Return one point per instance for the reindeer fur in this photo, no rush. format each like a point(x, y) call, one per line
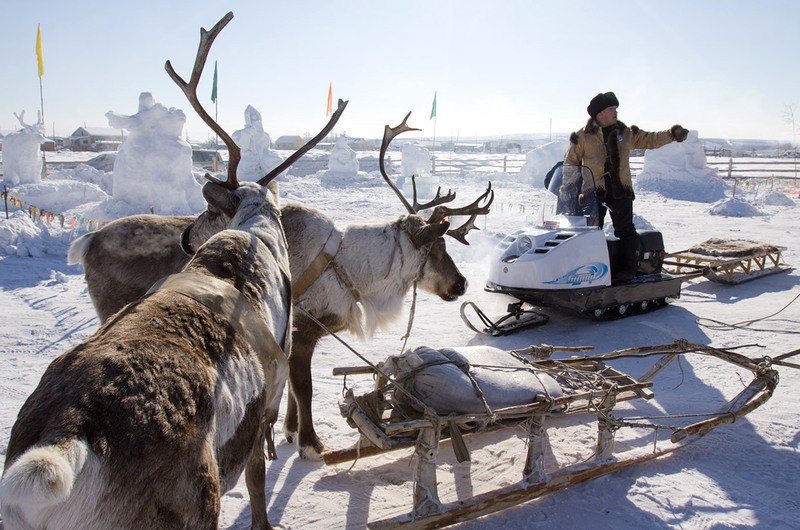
point(146, 423)
point(381, 260)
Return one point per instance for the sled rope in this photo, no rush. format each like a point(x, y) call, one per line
point(744, 325)
point(373, 366)
point(413, 309)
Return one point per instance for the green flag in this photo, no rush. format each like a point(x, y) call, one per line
point(433, 109)
point(214, 87)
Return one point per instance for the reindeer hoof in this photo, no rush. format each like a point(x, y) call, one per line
point(310, 453)
point(290, 435)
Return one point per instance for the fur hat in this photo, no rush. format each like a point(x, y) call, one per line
point(601, 102)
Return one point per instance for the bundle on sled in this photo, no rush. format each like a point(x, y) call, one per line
point(428, 395)
point(567, 262)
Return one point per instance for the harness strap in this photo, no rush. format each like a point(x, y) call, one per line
point(227, 301)
point(320, 263)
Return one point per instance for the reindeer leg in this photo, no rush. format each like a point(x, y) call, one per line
point(299, 419)
point(309, 444)
point(255, 475)
point(290, 420)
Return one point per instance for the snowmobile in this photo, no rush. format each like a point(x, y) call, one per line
point(566, 261)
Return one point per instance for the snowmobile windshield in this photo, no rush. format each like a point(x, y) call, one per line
point(568, 202)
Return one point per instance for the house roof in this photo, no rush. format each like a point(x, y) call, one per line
point(289, 138)
point(98, 131)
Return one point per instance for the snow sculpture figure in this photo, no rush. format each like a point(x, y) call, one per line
point(679, 170)
point(153, 168)
point(257, 158)
point(417, 161)
point(540, 159)
point(22, 153)
point(343, 158)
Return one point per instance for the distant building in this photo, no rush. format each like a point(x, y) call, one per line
point(362, 144)
point(289, 142)
point(95, 139)
point(467, 148)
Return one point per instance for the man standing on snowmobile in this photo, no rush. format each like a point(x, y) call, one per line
point(603, 146)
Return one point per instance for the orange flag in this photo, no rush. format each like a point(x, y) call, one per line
point(329, 110)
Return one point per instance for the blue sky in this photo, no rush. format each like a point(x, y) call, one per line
point(499, 67)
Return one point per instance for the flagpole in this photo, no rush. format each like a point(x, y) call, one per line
point(41, 98)
point(435, 117)
point(215, 99)
point(41, 103)
point(40, 71)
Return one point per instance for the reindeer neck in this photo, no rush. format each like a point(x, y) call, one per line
point(379, 259)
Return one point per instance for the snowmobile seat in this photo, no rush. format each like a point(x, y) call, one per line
point(651, 251)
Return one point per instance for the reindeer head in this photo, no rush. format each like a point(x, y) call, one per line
point(224, 197)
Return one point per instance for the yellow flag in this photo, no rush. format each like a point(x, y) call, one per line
point(39, 59)
point(329, 109)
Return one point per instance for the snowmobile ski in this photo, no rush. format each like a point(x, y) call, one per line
point(517, 319)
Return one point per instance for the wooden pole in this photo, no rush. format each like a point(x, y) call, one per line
point(41, 103)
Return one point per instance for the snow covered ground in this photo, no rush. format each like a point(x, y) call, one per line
point(739, 476)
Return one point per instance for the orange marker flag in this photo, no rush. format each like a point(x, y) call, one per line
point(39, 58)
point(329, 110)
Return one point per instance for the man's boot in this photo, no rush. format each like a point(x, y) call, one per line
point(627, 262)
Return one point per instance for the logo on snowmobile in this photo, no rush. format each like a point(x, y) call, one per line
point(583, 274)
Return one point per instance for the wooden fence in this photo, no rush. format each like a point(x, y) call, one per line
point(449, 164)
point(749, 168)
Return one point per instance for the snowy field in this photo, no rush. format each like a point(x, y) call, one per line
point(739, 476)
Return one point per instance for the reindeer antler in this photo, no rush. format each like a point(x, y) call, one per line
point(309, 145)
point(388, 135)
point(190, 90)
point(437, 200)
point(440, 213)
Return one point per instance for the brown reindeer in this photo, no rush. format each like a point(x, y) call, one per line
point(333, 282)
point(147, 422)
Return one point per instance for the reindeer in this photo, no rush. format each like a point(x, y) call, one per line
point(361, 294)
point(332, 281)
point(147, 422)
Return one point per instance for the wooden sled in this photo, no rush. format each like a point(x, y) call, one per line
point(728, 261)
point(590, 387)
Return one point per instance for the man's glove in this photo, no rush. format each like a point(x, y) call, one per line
point(678, 133)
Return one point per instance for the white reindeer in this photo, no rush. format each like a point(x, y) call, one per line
point(332, 280)
point(146, 423)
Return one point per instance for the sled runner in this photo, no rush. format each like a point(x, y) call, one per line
point(428, 395)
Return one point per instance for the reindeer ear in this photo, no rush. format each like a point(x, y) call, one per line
point(273, 189)
point(220, 198)
point(429, 233)
point(186, 239)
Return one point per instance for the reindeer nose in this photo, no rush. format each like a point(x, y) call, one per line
point(460, 287)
